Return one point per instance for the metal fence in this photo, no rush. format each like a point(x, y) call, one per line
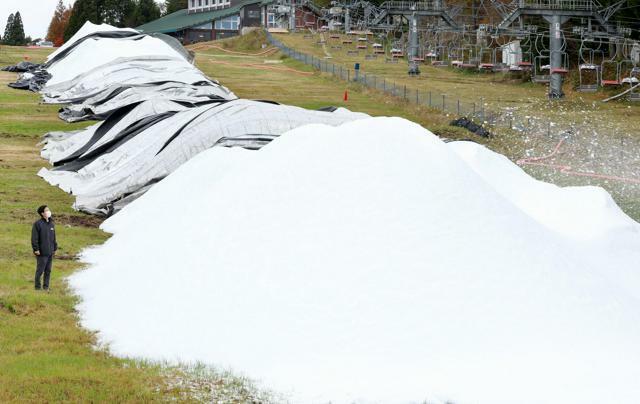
point(474, 110)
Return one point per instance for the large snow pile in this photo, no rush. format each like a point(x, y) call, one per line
point(372, 262)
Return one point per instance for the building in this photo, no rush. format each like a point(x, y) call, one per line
point(206, 20)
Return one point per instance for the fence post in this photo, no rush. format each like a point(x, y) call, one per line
point(429, 99)
point(417, 96)
point(482, 108)
point(458, 106)
point(384, 85)
point(474, 110)
point(374, 82)
point(405, 91)
point(348, 75)
point(443, 102)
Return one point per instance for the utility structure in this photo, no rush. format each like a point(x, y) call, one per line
point(556, 13)
point(412, 11)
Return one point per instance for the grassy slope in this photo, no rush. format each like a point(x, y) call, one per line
point(44, 355)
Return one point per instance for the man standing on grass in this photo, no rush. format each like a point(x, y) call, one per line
point(43, 241)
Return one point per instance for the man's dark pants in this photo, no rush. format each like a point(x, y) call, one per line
point(43, 266)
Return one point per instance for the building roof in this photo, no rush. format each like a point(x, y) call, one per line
point(181, 19)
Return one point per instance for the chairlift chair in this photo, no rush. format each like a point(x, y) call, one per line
point(609, 73)
point(588, 70)
point(541, 69)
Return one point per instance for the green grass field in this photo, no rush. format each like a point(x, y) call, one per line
point(44, 355)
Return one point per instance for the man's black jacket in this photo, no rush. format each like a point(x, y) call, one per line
point(43, 237)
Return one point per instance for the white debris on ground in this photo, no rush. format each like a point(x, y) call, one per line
point(371, 262)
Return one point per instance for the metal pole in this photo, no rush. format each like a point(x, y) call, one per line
point(413, 37)
point(443, 102)
point(292, 16)
point(555, 55)
point(347, 21)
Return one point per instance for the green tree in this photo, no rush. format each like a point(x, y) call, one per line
point(171, 6)
point(14, 31)
point(7, 30)
point(118, 13)
point(82, 11)
point(146, 10)
point(17, 30)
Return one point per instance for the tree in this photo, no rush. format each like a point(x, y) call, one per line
point(7, 30)
point(118, 13)
point(58, 24)
point(146, 10)
point(171, 6)
point(17, 30)
point(82, 11)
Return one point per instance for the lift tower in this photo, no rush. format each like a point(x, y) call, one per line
point(556, 13)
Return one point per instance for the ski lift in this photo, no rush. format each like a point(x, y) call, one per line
point(487, 58)
point(563, 69)
point(634, 80)
point(541, 69)
point(609, 73)
point(588, 70)
point(470, 61)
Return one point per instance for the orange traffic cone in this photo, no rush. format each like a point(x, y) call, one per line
point(346, 96)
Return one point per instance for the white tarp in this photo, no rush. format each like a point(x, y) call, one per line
point(161, 148)
point(118, 96)
point(56, 150)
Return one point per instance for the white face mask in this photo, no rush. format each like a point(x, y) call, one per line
point(47, 214)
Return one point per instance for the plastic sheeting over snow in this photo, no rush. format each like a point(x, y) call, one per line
point(100, 62)
point(105, 163)
point(372, 262)
point(159, 110)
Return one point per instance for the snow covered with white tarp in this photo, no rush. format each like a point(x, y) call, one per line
point(159, 110)
point(373, 263)
point(133, 160)
point(101, 61)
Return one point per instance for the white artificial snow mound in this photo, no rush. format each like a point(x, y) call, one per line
point(370, 262)
point(580, 212)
